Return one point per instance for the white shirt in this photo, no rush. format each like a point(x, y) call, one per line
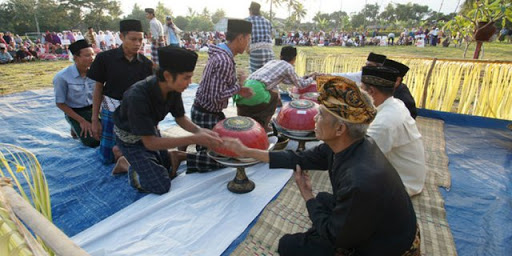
point(156, 29)
point(397, 136)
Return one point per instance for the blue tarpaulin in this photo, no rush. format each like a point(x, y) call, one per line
point(479, 203)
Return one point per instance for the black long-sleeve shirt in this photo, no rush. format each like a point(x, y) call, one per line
point(370, 211)
point(402, 92)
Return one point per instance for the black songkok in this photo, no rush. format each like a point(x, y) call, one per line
point(379, 76)
point(239, 26)
point(402, 69)
point(149, 10)
point(77, 46)
point(289, 51)
point(254, 6)
point(377, 58)
point(130, 25)
point(177, 59)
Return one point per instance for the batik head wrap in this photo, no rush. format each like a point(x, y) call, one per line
point(343, 98)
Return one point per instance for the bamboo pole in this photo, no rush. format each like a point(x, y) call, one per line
point(51, 235)
point(427, 81)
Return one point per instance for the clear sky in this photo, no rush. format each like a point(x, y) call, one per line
point(239, 8)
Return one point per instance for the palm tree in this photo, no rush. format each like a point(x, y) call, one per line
point(277, 3)
point(299, 12)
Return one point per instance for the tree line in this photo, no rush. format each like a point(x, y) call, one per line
point(20, 16)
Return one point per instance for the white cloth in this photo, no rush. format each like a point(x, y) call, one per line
point(199, 216)
point(354, 76)
point(156, 29)
point(397, 136)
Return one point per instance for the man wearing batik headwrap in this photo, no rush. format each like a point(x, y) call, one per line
point(73, 93)
point(401, 90)
point(394, 130)
point(260, 49)
point(264, 83)
point(114, 72)
point(369, 211)
point(145, 104)
point(220, 82)
point(373, 60)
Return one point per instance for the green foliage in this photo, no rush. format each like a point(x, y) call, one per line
point(218, 15)
point(181, 22)
point(161, 12)
point(138, 14)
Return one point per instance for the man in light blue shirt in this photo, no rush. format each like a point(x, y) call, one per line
point(172, 32)
point(73, 92)
point(5, 57)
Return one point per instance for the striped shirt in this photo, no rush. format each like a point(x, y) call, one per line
point(219, 80)
point(279, 71)
point(261, 30)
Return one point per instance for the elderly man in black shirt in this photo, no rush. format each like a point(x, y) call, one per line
point(144, 105)
point(114, 72)
point(369, 211)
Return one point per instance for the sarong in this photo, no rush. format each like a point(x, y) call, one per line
point(154, 50)
point(259, 56)
point(86, 113)
point(108, 139)
point(149, 170)
point(200, 162)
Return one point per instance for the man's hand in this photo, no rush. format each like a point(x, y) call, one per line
point(96, 129)
point(208, 138)
point(304, 183)
point(235, 145)
point(86, 129)
point(246, 92)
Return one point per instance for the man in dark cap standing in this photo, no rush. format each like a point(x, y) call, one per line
point(73, 93)
point(368, 211)
point(265, 82)
point(373, 60)
point(260, 49)
point(156, 33)
point(220, 82)
point(145, 104)
point(401, 90)
point(394, 130)
point(114, 72)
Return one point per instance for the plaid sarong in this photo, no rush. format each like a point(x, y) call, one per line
point(149, 170)
point(154, 50)
point(108, 138)
point(259, 57)
point(200, 162)
point(86, 113)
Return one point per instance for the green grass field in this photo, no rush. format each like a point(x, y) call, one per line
point(39, 74)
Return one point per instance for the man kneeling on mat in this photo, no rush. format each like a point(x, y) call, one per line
point(150, 166)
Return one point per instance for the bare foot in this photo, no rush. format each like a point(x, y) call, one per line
point(121, 167)
point(73, 134)
point(176, 158)
point(117, 153)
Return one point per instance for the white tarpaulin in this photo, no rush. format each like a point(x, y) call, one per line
point(199, 216)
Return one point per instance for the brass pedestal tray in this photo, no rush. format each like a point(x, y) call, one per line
point(300, 136)
point(241, 183)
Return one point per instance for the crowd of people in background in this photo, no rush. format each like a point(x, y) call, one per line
point(54, 45)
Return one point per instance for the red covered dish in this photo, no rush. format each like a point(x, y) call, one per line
point(250, 132)
point(312, 96)
point(297, 117)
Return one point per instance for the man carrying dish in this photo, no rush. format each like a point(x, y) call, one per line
point(264, 83)
point(369, 211)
